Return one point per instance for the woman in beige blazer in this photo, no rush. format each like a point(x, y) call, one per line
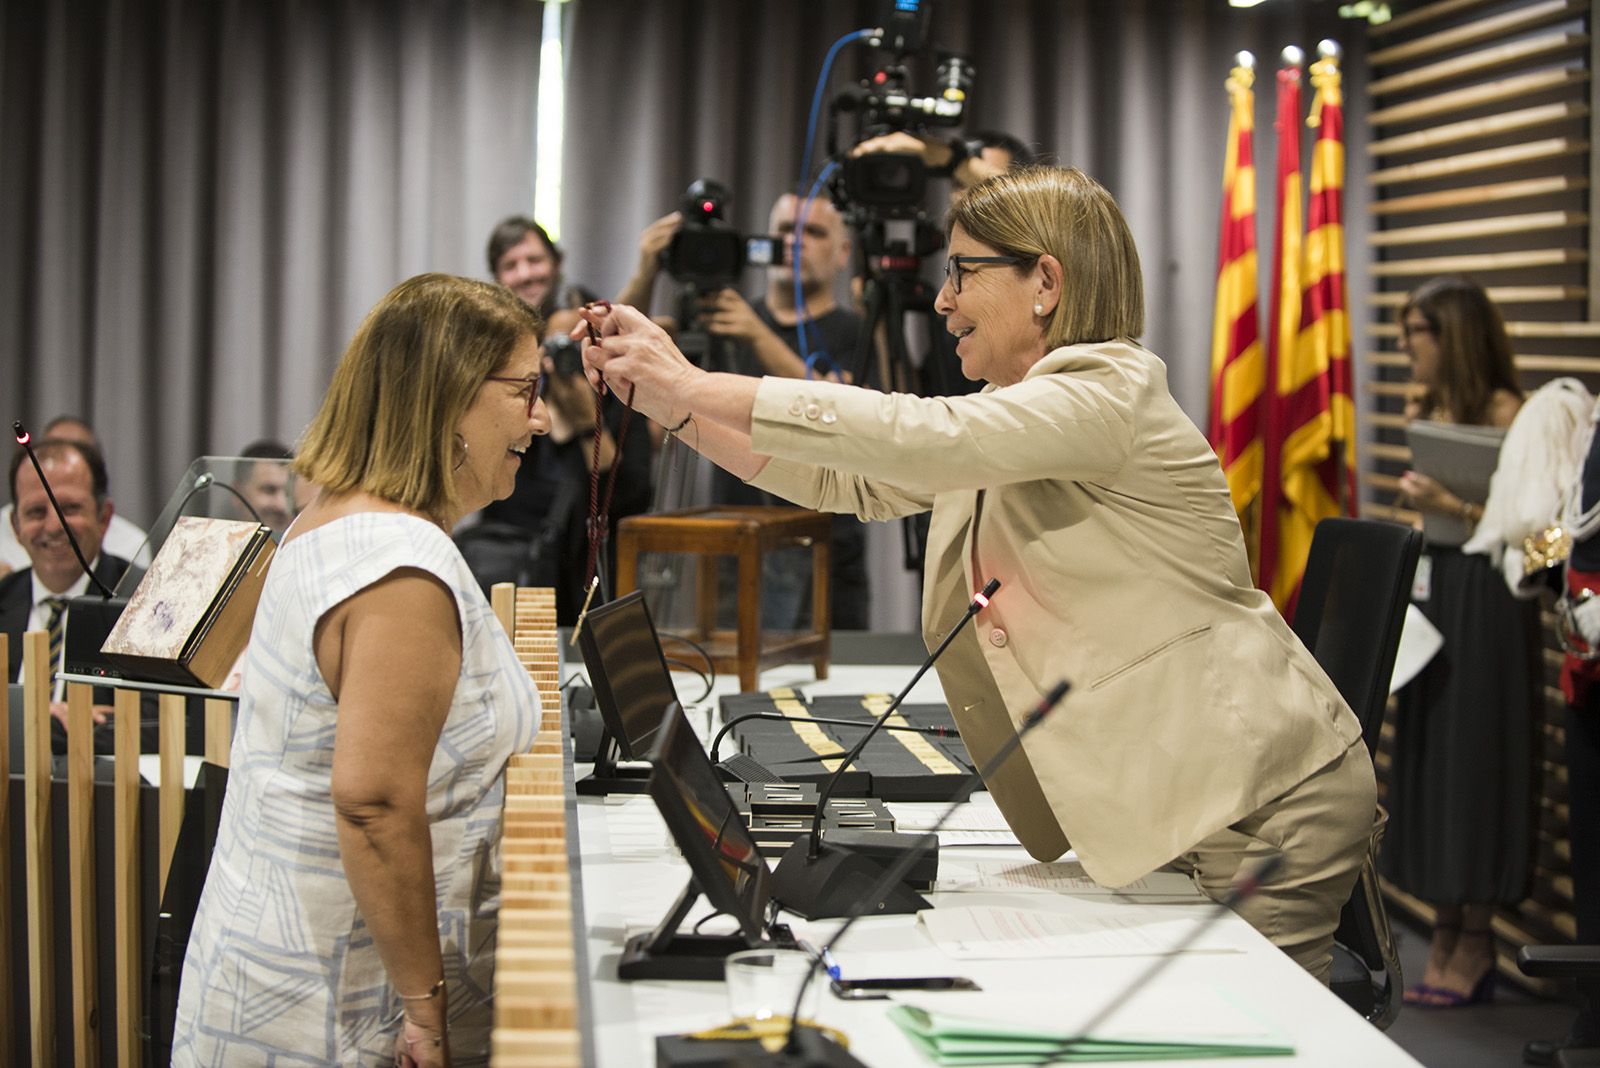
point(1200, 732)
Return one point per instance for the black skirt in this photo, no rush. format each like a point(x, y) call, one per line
point(1460, 788)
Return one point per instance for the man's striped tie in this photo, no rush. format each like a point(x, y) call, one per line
point(57, 627)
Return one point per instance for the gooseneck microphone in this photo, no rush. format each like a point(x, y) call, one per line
point(25, 439)
point(832, 721)
point(817, 880)
point(808, 1048)
point(980, 601)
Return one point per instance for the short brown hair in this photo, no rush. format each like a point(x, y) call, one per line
point(1062, 212)
point(388, 423)
point(1474, 351)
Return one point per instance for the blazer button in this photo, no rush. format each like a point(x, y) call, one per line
point(813, 410)
point(830, 416)
point(796, 406)
point(997, 638)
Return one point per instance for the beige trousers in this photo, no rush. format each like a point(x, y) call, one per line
point(1321, 828)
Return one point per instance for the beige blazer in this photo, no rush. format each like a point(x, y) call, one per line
point(1100, 507)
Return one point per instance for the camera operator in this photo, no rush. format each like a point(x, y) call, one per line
point(769, 335)
point(538, 535)
point(965, 160)
point(764, 338)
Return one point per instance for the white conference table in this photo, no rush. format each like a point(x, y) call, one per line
point(631, 874)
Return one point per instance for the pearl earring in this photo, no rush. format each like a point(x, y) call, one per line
point(1038, 309)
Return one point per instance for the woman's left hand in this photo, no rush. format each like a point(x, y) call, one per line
point(1428, 494)
point(635, 355)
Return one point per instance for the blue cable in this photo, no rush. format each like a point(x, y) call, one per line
point(816, 98)
point(801, 211)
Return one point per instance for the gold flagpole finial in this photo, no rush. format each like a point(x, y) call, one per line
point(1243, 75)
point(1325, 80)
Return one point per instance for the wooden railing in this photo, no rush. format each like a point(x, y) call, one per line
point(129, 917)
point(540, 1003)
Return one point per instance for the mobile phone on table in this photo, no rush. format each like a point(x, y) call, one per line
point(868, 989)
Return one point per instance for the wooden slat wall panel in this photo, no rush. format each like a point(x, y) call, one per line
point(539, 1004)
point(1483, 121)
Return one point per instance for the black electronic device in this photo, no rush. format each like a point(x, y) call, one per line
point(565, 354)
point(807, 1047)
point(818, 878)
point(632, 689)
point(889, 771)
point(724, 865)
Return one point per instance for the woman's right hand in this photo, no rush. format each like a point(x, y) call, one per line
point(635, 355)
point(420, 1045)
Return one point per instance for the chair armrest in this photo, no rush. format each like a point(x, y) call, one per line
point(1560, 962)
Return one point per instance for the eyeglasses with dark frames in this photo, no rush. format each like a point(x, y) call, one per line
point(1410, 330)
point(535, 386)
point(956, 266)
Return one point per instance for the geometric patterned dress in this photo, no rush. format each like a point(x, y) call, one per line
point(281, 968)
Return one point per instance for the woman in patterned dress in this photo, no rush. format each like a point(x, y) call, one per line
point(350, 909)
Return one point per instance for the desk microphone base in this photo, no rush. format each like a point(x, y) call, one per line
point(846, 875)
point(816, 1050)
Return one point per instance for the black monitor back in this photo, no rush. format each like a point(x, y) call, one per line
point(628, 672)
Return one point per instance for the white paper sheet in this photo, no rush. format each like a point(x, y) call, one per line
point(978, 822)
point(1420, 641)
point(999, 933)
point(1058, 876)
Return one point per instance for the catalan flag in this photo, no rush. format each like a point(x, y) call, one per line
point(1282, 338)
point(1313, 397)
point(1238, 368)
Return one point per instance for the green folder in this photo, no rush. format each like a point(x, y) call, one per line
point(958, 1040)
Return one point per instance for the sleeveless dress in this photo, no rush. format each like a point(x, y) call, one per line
point(280, 967)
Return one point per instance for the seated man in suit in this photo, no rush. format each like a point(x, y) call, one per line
point(35, 597)
point(123, 538)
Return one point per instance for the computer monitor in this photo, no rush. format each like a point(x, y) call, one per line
point(707, 827)
point(723, 860)
point(632, 686)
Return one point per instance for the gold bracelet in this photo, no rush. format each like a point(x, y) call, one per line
point(434, 991)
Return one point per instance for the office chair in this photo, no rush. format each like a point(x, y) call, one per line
point(1352, 602)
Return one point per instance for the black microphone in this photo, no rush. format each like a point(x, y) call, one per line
point(25, 439)
point(806, 1047)
point(832, 721)
point(816, 881)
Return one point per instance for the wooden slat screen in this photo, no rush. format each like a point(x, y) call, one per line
point(1482, 145)
point(540, 1004)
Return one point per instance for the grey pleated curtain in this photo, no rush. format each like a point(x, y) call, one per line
point(1129, 90)
point(198, 200)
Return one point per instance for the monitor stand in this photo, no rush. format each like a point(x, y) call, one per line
point(664, 953)
point(607, 778)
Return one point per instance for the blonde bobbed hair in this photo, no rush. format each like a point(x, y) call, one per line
point(1062, 212)
point(388, 423)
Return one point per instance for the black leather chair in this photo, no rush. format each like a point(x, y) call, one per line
point(1352, 603)
point(1580, 962)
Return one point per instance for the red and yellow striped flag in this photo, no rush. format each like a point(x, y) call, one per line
point(1238, 368)
point(1284, 334)
point(1312, 395)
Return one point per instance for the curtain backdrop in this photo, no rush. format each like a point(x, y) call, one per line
point(200, 198)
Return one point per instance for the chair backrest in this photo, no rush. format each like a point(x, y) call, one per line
point(1352, 603)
